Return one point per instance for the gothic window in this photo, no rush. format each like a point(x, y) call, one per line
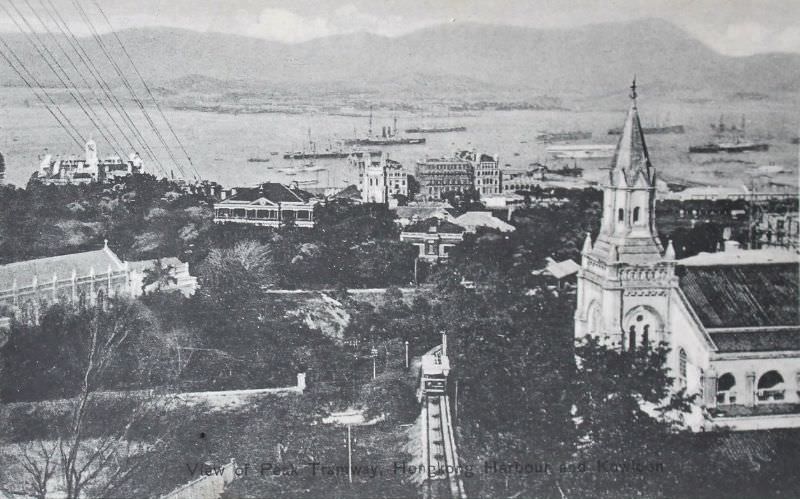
point(636, 214)
point(646, 335)
point(682, 362)
point(620, 215)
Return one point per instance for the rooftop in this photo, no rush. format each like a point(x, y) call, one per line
point(559, 270)
point(742, 257)
point(61, 266)
point(275, 192)
point(761, 341)
point(435, 225)
point(743, 295)
point(472, 219)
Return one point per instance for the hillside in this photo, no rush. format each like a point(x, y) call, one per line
point(449, 59)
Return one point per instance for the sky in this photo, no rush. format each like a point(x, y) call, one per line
point(732, 27)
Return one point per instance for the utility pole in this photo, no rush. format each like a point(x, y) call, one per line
point(374, 353)
point(349, 457)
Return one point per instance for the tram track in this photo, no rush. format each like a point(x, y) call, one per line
point(440, 455)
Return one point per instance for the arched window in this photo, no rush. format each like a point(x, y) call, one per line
point(725, 385)
point(636, 214)
point(771, 387)
point(646, 335)
point(682, 361)
point(595, 324)
point(620, 215)
point(632, 338)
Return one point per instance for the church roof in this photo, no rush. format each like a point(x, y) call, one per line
point(61, 266)
point(631, 156)
point(762, 341)
point(744, 295)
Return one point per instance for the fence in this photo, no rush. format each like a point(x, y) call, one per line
point(207, 486)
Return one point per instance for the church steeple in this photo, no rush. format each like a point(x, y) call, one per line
point(627, 233)
point(631, 163)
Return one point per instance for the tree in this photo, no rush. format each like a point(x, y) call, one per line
point(160, 275)
point(612, 390)
point(99, 441)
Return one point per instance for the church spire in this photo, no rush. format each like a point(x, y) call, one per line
point(631, 157)
point(627, 232)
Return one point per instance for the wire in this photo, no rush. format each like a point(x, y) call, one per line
point(97, 75)
point(127, 85)
point(80, 74)
point(44, 50)
point(147, 87)
point(64, 121)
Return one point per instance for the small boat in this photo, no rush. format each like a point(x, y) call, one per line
point(258, 160)
point(654, 130)
point(437, 129)
point(728, 147)
point(274, 153)
point(587, 151)
point(563, 136)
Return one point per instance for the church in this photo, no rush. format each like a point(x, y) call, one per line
point(731, 319)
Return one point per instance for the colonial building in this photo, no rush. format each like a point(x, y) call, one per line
point(268, 205)
point(731, 319)
point(87, 170)
point(81, 279)
point(779, 230)
point(381, 179)
point(438, 176)
point(434, 238)
point(487, 178)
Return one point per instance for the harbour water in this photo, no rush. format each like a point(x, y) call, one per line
point(221, 144)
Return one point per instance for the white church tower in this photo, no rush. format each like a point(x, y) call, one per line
point(374, 188)
point(92, 160)
point(626, 276)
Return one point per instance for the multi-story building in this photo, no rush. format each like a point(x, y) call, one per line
point(87, 170)
point(486, 170)
point(268, 205)
point(434, 238)
point(779, 230)
point(730, 319)
point(438, 176)
point(381, 179)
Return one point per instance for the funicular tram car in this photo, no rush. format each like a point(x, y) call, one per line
point(433, 378)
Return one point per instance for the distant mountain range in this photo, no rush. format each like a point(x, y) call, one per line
point(453, 59)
